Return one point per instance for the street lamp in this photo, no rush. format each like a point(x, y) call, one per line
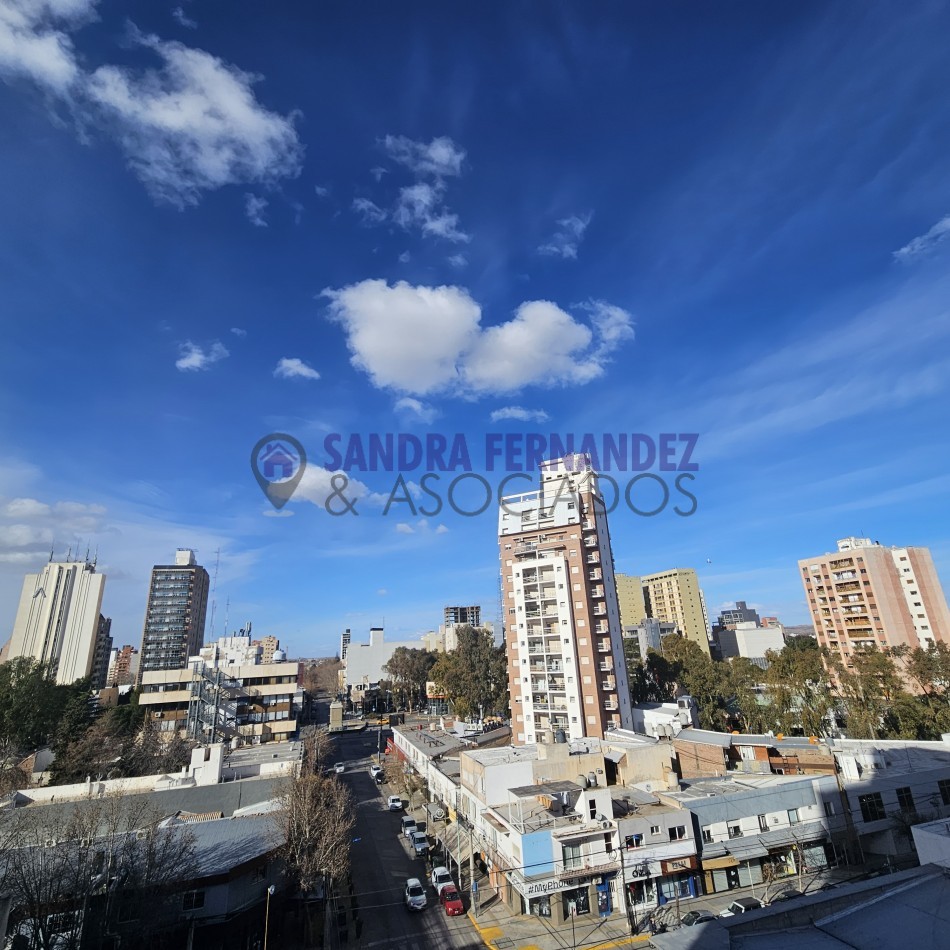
point(270, 894)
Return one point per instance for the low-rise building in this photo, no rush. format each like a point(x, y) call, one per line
point(702, 753)
point(747, 639)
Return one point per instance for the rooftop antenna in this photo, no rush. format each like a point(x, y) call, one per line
point(51, 547)
point(227, 611)
point(95, 557)
point(214, 588)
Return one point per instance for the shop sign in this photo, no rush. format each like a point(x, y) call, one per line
point(674, 865)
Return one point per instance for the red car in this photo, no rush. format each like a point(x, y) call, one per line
point(451, 902)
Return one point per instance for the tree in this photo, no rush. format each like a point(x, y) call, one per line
point(323, 676)
point(409, 670)
point(316, 818)
point(32, 704)
point(798, 687)
point(867, 688)
point(474, 676)
point(91, 855)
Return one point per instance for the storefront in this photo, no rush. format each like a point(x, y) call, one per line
point(739, 867)
point(563, 898)
point(678, 880)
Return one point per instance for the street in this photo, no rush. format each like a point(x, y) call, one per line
point(381, 864)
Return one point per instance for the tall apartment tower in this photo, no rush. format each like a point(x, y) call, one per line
point(459, 616)
point(674, 597)
point(633, 609)
point(345, 639)
point(59, 620)
point(175, 615)
point(868, 595)
point(563, 639)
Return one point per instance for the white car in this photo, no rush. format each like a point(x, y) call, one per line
point(415, 894)
point(374, 770)
point(339, 768)
point(394, 803)
point(441, 878)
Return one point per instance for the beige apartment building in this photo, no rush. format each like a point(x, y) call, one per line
point(866, 595)
point(563, 637)
point(674, 597)
point(633, 607)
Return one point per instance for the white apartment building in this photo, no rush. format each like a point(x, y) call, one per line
point(563, 636)
point(363, 666)
point(746, 638)
point(58, 620)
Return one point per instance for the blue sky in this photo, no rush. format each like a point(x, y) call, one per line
point(225, 220)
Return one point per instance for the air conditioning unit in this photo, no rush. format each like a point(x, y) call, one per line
point(605, 824)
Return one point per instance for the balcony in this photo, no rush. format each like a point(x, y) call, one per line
point(590, 542)
point(609, 685)
point(606, 666)
point(597, 592)
point(844, 588)
point(600, 611)
point(603, 646)
point(602, 628)
point(596, 575)
point(593, 558)
point(845, 575)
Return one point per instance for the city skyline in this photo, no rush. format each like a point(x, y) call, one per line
point(730, 224)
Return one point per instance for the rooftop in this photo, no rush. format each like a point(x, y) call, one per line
point(431, 742)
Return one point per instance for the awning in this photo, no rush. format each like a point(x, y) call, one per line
point(714, 851)
point(800, 834)
point(748, 851)
point(614, 756)
point(457, 849)
point(715, 864)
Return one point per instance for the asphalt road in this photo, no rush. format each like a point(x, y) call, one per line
point(381, 864)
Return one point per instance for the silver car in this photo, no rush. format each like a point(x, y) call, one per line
point(415, 894)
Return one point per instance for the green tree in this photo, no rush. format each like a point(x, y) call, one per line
point(474, 676)
point(32, 704)
point(798, 688)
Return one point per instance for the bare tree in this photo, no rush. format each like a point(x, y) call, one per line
point(59, 862)
point(316, 818)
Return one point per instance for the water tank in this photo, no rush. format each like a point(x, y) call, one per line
point(582, 781)
point(592, 779)
point(560, 736)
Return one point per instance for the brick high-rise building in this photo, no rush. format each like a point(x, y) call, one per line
point(563, 637)
point(175, 615)
point(867, 595)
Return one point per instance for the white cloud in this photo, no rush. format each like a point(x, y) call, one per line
point(420, 340)
point(404, 258)
point(924, 243)
point(322, 487)
point(194, 357)
point(378, 172)
point(568, 236)
point(369, 211)
point(34, 41)
point(406, 338)
point(458, 260)
point(237, 331)
point(26, 508)
point(183, 19)
point(403, 528)
point(254, 208)
point(519, 414)
point(420, 206)
point(441, 529)
point(421, 527)
point(382, 592)
point(421, 411)
point(293, 368)
point(192, 125)
point(321, 191)
point(439, 157)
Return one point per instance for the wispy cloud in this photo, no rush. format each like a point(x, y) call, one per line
point(294, 368)
point(420, 527)
point(416, 409)
point(369, 211)
point(193, 357)
point(439, 158)
point(458, 261)
point(519, 414)
point(567, 238)
point(924, 243)
point(321, 191)
point(189, 125)
point(254, 208)
point(180, 17)
point(237, 331)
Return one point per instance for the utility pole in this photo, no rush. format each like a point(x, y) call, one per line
point(623, 888)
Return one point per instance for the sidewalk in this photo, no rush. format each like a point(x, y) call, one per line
point(502, 929)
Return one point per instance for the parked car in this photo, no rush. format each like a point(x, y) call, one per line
point(449, 898)
point(394, 803)
point(696, 917)
point(741, 905)
point(380, 778)
point(408, 826)
point(375, 770)
point(420, 843)
point(441, 878)
point(415, 894)
point(339, 768)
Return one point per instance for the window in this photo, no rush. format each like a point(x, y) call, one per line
point(192, 900)
point(633, 841)
point(793, 816)
point(677, 833)
point(872, 806)
point(735, 831)
point(707, 835)
point(829, 809)
point(572, 856)
point(905, 799)
point(944, 787)
point(763, 823)
point(654, 829)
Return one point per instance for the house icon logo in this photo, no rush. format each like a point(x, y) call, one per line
point(278, 462)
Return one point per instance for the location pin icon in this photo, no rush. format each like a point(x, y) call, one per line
point(278, 461)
